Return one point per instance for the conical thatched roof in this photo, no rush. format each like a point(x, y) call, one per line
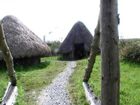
point(77, 35)
point(22, 41)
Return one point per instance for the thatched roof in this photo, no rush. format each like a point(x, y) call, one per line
point(22, 41)
point(78, 34)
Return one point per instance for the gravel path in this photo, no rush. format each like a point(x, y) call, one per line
point(56, 93)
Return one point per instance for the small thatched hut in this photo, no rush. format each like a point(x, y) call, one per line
point(25, 46)
point(77, 43)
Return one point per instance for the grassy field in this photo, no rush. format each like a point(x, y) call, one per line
point(3, 82)
point(130, 85)
point(32, 79)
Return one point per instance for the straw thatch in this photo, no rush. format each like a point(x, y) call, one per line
point(23, 43)
point(79, 38)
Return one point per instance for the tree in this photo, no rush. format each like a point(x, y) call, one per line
point(54, 45)
point(7, 56)
point(109, 53)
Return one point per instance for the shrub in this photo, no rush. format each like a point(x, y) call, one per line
point(54, 45)
point(130, 50)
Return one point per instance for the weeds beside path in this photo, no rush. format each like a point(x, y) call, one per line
point(35, 79)
point(129, 84)
point(31, 79)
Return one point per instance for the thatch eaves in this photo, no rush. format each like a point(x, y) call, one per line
point(78, 34)
point(22, 41)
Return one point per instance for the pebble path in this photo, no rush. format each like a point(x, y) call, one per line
point(56, 93)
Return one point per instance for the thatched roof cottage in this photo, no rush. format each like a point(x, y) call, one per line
point(25, 46)
point(77, 43)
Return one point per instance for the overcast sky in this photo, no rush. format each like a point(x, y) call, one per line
point(54, 18)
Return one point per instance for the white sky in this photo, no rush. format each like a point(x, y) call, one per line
point(54, 18)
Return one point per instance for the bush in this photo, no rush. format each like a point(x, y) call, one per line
point(130, 50)
point(54, 45)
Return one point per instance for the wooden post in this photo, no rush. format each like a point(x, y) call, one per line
point(7, 56)
point(109, 53)
point(93, 53)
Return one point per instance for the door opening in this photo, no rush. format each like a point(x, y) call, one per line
point(79, 51)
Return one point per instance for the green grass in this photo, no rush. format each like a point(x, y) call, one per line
point(75, 86)
point(3, 82)
point(32, 79)
point(130, 85)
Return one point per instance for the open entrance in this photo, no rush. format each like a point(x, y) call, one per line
point(79, 51)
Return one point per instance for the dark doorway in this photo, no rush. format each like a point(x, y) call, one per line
point(79, 51)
